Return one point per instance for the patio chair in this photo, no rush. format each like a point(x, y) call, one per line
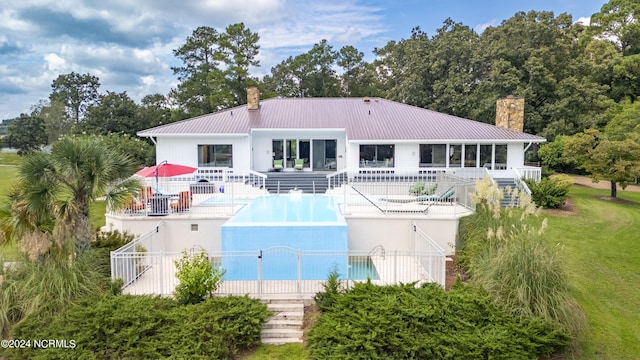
point(443, 197)
point(145, 194)
point(277, 165)
point(132, 205)
point(184, 202)
point(298, 164)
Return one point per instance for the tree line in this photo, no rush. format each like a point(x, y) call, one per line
point(573, 77)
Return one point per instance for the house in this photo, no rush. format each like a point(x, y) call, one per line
point(333, 134)
point(372, 160)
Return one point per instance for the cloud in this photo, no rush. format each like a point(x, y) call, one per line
point(128, 45)
point(480, 28)
point(584, 20)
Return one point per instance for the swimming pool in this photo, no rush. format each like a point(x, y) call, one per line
point(360, 268)
point(294, 236)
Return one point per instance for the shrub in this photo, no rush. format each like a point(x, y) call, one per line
point(400, 322)
point(504, 251)
point(197, 276)
point(332, 288)
point(550, 192)
point(111, 240)
point(48, 286)
point(146, 327)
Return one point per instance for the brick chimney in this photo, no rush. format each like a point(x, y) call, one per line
point(510, 113)
point(253, 98)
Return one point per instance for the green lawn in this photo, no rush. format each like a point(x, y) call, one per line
point(601, 246)
point(7, 174)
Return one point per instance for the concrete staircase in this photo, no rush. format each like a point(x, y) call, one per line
point(285, 326)
point(503, 183)
point(305, 181)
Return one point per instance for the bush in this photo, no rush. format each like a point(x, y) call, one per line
point(197, 276)
point(48, 286)
point(146, 327)
point(325, 299)
point(111, 240)
point(401, 322)
point(550, 192)
point(504, 252)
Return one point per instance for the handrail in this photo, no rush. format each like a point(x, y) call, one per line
point(375, 249)
point(126, 247)
point(521, 184)
point(332, 176)
point(366, 198)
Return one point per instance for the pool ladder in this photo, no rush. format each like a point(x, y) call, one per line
point(377, 248)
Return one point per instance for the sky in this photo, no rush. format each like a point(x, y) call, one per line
point(129, 45)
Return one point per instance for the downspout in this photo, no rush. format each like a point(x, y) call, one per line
point(528, 146)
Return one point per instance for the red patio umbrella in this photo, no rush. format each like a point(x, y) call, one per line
point(165, 169)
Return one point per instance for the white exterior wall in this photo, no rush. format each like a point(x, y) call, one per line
point(184, 150)
point(397, 234)
point(515, 155)
point(175, 234)
point(263, 146)
point(364, 233)
point(407, 155)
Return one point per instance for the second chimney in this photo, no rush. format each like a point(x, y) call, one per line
point(253, 98)
point(510, 113)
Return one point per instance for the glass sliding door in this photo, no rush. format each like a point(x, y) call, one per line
point(324, 155)
point(304, 152)
point(291, 152)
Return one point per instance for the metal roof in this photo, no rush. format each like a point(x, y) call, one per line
point(376, 119)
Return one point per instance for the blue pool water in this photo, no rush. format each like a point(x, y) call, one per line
point(291, 235)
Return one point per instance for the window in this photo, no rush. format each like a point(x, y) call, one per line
point(485, 156)
point(377, 155)
point(215, 156)
point(501, 157)
point(455, 155)
point(470, 152)
point(433, 155)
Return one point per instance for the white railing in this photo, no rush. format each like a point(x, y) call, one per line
point(280, 271)
point(130, 261)
point(529, 172)
point(210, 191)
point(520, 182)
point(429, 255)
point(405, 191)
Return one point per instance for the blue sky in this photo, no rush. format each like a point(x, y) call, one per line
point(128, 44)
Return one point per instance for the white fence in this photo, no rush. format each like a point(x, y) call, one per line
point(429, 255)
point(409, 191)
point(209, 191)
point(280, 271)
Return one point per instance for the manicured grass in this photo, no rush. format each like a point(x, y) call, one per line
point(601, 247)
point(276, 352)
point(96, 214)
point(9, 158)
point(8, 252)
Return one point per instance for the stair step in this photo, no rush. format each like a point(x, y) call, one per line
point(283, 324)
point(281, 341)
point(281, 333)
point(285, 307)
point(286, 315)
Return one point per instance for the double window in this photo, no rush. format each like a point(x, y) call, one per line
point(377, 155)
point(215, 156)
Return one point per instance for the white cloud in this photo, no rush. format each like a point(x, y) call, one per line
point(584, 20)
point(55, 63)
point(480, 28)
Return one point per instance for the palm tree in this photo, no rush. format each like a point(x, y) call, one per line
point(62, 184)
